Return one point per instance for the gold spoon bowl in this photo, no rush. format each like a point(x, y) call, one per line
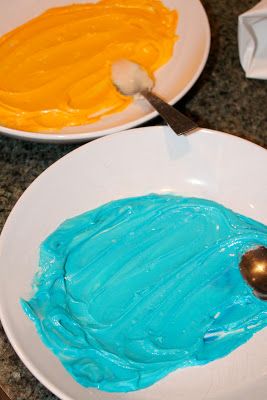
point(253, 267)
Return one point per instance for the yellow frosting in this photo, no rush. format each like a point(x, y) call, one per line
point(55, 70)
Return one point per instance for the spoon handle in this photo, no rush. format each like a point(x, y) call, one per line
point(3, 395)
point(176, 120)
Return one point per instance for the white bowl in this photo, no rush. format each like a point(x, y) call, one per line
point(205, 164)
point(173, 80)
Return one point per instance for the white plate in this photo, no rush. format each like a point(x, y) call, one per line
point(173, 80)
point(206, 164)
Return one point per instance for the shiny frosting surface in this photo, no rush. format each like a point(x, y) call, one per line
point(55, 70)
point(132, 290)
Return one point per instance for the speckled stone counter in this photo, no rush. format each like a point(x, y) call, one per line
point(222, 99)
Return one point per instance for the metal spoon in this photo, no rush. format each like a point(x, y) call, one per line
point(253, 267)
point(3, 395)
point(131, 80)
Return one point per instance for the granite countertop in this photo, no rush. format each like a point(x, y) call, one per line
point(222, 99)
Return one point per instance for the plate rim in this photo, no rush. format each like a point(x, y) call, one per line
point(87, 136)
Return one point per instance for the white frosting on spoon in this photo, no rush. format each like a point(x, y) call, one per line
point(130, 78)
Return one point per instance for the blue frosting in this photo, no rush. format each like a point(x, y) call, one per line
point(139, 287)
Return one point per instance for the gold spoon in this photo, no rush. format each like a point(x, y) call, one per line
point(253, 267)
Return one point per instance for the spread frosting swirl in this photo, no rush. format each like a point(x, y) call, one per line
point(139, 287)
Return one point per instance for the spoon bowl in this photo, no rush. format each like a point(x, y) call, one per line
point(253, 267)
